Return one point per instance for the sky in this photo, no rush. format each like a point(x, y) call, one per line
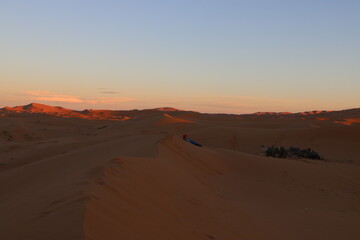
point(228, 56)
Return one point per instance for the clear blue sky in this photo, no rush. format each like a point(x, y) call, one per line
point(205, 55)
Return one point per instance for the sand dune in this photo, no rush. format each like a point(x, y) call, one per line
point(68, 174)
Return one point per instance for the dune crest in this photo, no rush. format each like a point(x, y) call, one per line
point(36, 108)
point(168, 119)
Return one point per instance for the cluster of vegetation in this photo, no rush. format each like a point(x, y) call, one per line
point(282, 152)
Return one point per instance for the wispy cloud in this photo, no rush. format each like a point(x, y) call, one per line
point(110, 92)
point(54, 97)
point(59, 99)
point(103, 100)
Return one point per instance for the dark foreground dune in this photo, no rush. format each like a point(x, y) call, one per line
point(78, 175)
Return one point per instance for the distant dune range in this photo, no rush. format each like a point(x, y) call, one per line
point(109, 175)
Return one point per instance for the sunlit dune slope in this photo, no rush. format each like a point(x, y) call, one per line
point(192, 193)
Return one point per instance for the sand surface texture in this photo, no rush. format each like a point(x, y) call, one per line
point(110, 175)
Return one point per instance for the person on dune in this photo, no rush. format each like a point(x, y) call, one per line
point(186, 138)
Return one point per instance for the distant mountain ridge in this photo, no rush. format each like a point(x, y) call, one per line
point(37, 108)
point(347, 116)
point(354, 112)
point(289, 113)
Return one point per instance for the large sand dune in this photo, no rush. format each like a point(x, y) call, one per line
point(109, 175)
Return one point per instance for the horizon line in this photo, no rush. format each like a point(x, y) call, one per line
point(176, 109)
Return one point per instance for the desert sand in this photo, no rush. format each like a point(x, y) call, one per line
point(110, 175)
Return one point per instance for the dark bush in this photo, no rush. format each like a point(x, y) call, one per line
point(281, 152)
